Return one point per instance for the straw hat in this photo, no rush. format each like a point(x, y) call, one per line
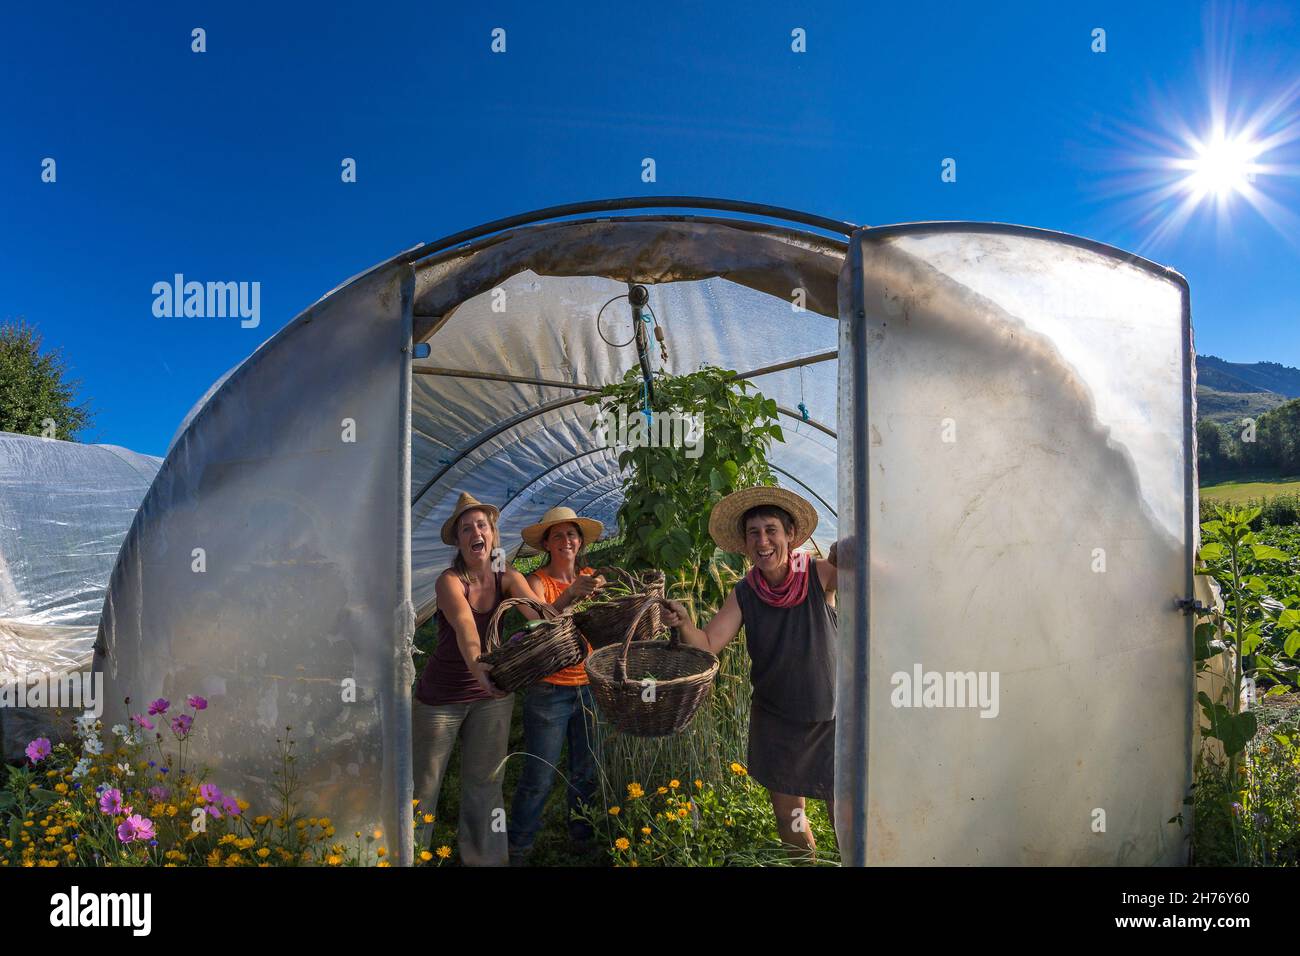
point(465, 503)
point(724, 520)
point(535, 534)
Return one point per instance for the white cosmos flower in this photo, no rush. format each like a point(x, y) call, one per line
point(85, 725)
point(125, 768)
point(94, 746)
point(82, 767)
point(120, 730)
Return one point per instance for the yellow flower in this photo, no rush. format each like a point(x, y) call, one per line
point(662, 790)
point(384, 863)
point(444, 852)
point(683, 812)
point(634, 862)
point(645, 830)
point(60, 788)
point(428, 818)
point(426, 856)
point(614, 811)
point(333, 859)
point(622, 843)
point(378, 834)
point(171, 809)
point(738, 769)
point(382, 853)
point(262, 821)
point(324, 821)
point(674, 784)
point(634, 790)
point(264, 853)
point(699, 784)
point(243, 805)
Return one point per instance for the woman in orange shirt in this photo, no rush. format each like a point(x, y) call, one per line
point(558, 707)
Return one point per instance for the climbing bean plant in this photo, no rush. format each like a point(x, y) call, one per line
point(669, 491)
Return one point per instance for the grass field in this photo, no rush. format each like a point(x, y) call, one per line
point(1241, 490)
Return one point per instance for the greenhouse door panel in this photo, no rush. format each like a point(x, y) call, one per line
point(1015, 486)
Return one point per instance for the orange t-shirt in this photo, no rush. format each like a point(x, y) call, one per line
point(575, 675)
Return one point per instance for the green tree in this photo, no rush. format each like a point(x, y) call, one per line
point(36, 395)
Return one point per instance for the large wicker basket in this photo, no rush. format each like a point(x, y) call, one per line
point(650, 688)
point(606, 622)
point(531, 655)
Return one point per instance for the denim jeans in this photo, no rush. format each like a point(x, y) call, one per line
point(552, 715)
point(483, 729)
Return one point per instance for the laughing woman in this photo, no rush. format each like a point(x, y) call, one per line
point(455, 697)
point(559, 707)
point(790, 634)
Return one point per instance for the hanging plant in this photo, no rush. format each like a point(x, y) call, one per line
point(707, 434)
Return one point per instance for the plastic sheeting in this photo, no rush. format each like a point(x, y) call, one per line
point(1028, 504)
point(64, 509)
point(264, 570)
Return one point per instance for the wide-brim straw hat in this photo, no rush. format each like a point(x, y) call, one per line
point(535, 534)
point(724, 520)
point(466, 502)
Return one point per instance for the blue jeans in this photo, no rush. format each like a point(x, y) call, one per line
point(552, 714)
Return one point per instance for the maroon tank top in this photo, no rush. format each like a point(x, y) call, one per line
point(446, 678)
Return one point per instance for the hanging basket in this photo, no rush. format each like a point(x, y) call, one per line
point(529, 655)
point(606, 622)
point(650, 688)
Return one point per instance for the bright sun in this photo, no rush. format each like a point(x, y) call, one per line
point(1222, 166)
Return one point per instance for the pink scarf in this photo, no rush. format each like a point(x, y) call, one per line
point(789, 592)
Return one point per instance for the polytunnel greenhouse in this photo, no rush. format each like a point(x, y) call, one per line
point(994, 422)
point(64, 509)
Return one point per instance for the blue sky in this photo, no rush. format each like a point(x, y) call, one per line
point(225, 165)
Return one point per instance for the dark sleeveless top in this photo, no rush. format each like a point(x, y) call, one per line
point(446, 678)
point(792, 650)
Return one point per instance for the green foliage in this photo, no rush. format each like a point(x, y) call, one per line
point(1273, 444)
point(34, 387)
point(668, 494)
point(1260, 623)
point(1245, 809)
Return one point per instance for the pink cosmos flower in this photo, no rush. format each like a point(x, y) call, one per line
point(135, 827)
point(143, 721)
point(230, 806)
point(197, 702)
point(158, 794)
point(159, 706)
point(38, 749)
point(181, 725)
point(210, 793)
point(110, 801)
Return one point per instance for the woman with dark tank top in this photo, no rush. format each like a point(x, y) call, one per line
point(790, 633)
point(455, 698)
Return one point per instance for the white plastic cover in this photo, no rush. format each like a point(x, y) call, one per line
point(264, 568)
point(1027, 494)
point(64, 509)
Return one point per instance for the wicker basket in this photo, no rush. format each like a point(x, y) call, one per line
point(682, 678)
point(606, 622)
point(531, 655)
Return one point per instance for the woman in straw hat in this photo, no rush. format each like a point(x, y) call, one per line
point(455, 697)
point(790, 632)
point(558, 707)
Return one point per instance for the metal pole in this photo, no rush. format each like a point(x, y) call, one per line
point(854, 769)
